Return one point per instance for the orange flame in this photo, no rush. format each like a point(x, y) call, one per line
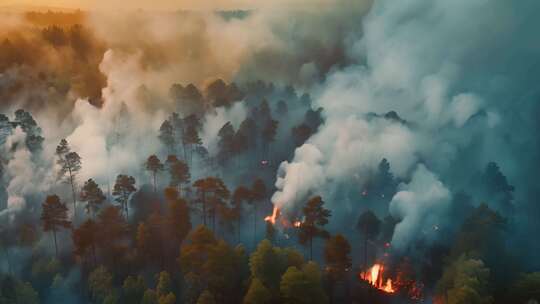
point(374, 276)
point(272, 218)
point(285, 223)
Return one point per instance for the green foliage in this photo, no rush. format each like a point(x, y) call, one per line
point(192, 255)
point(133, 289)
point(26, 294)
point(270, 231)
point(257, 293)
point(212, 193)
point(206, 259)
point(169, 298)
point(150, 297)
point(177, 221)
point(13, 291)
point(164, 285)
point(465, 281)
point(303, 286)
point(206, 298)
point(178, 171)
point(154, 166)
point(122, 190)
point(113, 226)
point(85, 238)
point(111, 298)
point(100, 283)
point(526, 288)
point(92, 195)
point(268, 263)
point(166, 135)
point(480, 234)
point(315, 217)
point(44, 270)
point(54, 215)
point(336, 256)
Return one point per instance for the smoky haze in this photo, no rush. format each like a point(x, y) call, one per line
point(165, 5)
point(422, 111)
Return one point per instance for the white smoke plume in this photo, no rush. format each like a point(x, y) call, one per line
point(413, 57)
point(213, 121)
point(23, 175)
point(421, 205)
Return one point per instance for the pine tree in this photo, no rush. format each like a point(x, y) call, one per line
point(70, 165)
point(154, 166)
point(258, 193)
point(54, 217)
point(369, 226)
point(315, 217)
point(123, 188)
point(166, 136)
point(178, 172)
point(212, 192)
point(93, 196)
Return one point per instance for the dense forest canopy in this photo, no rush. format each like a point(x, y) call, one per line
point(371, 152)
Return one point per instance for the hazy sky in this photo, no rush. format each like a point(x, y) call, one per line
point(158, 4)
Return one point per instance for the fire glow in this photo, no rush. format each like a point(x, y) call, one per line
point(272, 218)
point(374, 276)
point(276, 214)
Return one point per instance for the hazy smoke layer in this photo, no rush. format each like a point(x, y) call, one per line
point(457, 74)
point(450, 70)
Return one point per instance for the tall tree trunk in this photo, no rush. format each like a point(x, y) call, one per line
point(331, 290)
point(204, 208)
point(127, 210)
point(155, 186)
point(213, 215)
point(365, 253)
point(94, 254)
point(8, 259)
point(238, 229)
point(55, 244)
point(255, 225)
point(72, 182)
point(311, 248)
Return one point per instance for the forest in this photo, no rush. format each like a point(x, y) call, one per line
point(363, 153)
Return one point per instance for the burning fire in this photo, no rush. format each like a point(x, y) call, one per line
point(374, 276)
point(272, 218)
point(284, 222)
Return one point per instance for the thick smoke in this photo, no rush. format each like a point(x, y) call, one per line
point(437, 88)
point(420, 205)
point(24, 176)
point(445, 68)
